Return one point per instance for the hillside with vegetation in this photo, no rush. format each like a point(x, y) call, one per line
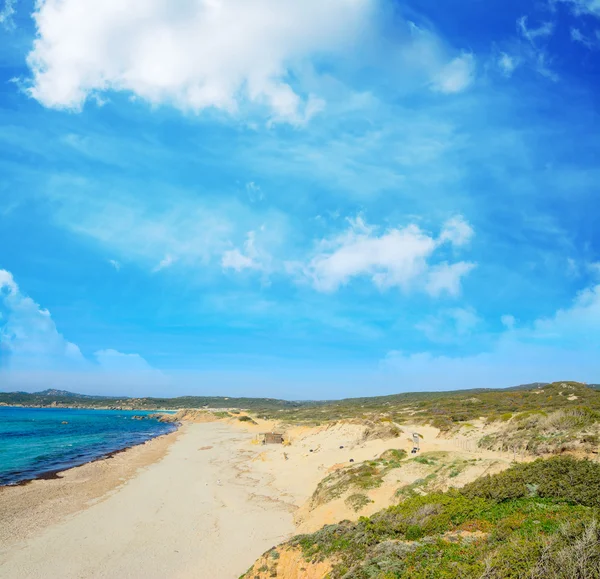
point(538, 520)
point(445, 408)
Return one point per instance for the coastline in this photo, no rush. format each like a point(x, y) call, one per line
point(55, 474)
point(198, 509)
point(39, 502)
point(207, 501)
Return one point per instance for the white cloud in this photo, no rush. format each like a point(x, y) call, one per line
point(561, 347)
point(583, 7)
point(508, 321)
point(193, 55)
point(457, 75)
point(7, 13)
point(457, 231)
point(507, 64)
point(397, 257)
point(182, 228)
point(450, 325)
point(447, 277)
point(115, 264)
point(165, 262)
point(114, 361)
point(254, 191)
point(532, 49)
point(28, 335)
point(579, 37)
point(250, 258)
point(34, 354)
point(532, 34)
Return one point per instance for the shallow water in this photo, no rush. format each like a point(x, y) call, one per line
point(36, 441)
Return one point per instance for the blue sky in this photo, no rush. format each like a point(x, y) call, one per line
point(301, 200)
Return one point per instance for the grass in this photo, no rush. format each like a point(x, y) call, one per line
point(540, 432)
point(357, 501)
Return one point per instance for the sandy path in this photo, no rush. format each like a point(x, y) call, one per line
point(171, 520)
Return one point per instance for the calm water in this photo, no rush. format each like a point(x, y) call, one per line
point(35, 441)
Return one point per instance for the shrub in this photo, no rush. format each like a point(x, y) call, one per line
point(247, 419)
point(357, 501)
point(561, 477)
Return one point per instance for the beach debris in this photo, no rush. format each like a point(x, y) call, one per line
point(341, 447)
point(271, 438)
point(351, 460)
point(416, 440)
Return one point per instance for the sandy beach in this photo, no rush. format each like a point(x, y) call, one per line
point(201, 502)
point(194, 513)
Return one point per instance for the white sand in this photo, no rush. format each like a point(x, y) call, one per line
point(172, 520)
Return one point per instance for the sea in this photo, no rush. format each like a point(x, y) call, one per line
point(38, 441)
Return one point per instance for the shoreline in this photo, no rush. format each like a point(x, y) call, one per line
point(36, 504)
point(54, 474)
point(207, 502)
point(178, 516)
point(79, 460)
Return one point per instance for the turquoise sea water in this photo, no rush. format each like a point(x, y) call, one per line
point(35, 441)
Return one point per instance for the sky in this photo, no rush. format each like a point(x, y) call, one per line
point(299, 200)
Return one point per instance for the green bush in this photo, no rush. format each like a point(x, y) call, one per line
point(357, 501)
point(561, 477)
point(247, 419)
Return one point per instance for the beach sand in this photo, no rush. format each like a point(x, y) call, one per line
point(194, 513)
point(204, 502)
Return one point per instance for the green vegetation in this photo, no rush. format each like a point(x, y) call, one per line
point(222, 414)
point(560, 477)
point(540, 432)
point(441, 467)
point(534, 520)
point(247, 419)
point(444, 410)
point(357, 501)
point(363, 476)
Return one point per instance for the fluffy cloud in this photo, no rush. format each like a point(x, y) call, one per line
point(28, 335)
point(563, 346)
point(34, 354)
point(249, 258)
point(398, 257)
point(457, 75)
point(194, 55)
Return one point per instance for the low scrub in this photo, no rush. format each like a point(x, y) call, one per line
point(363, 476)
point(561, 477)
point(539, 432)
point(537, 520)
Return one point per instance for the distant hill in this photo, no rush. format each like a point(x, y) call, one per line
point(53, 392)
point(444, 408)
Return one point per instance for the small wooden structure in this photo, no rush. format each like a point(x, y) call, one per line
point(270, 438)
